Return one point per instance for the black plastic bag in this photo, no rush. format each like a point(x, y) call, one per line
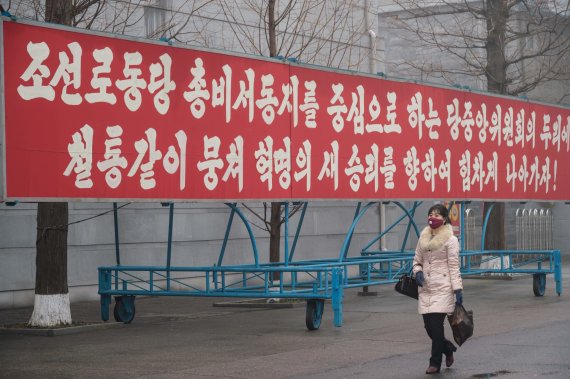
point(461, 322)
point(407, 286)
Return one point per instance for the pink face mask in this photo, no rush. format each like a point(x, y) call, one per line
point(434, 222)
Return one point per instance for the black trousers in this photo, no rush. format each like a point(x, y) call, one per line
point(433, 322)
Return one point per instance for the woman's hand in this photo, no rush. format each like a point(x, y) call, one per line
point(458, 297)
point(420, 278)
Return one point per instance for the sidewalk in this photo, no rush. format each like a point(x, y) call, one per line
point(517, 335)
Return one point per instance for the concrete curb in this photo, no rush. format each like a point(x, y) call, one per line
point(54, 332)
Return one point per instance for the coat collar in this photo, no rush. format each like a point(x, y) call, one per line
point(427, 242)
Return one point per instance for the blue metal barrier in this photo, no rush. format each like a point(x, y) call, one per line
point(313, 280)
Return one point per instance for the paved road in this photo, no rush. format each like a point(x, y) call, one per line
point(517, 335)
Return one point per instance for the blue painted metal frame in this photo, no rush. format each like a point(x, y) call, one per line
point(314, 279)
point(551, 259)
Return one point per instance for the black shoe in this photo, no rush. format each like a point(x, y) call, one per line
point(449, 360)
point(432, 370)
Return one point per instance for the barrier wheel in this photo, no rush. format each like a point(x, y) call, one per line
point(538, 284)
point(124, 310)
point(314, 313)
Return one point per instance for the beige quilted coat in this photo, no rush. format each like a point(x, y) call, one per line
point(438, 257)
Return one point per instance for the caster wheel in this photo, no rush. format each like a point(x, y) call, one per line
point(538, 284)
point(124, 310)
point(314, 314)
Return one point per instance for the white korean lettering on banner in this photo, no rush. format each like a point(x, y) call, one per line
point(416, 117)
point(444, 169)
point(303, 161)
point(374, 110)
point(222, 91)
point(291, 93)
point(412, 165)
point(392, 126)
point(500, 122)
point(388, 168)
point(267, 102)
point(453, 118)
point(245, 98)
point(356, 111)
point(531, 129)
point(565, 134)
point(534, 174)
point(337, 107)
point(492, 171)
point(519, 131)
point(310, 105)
point(69, 70)
point(81, 153)
point(37, 72)
point(354, 169)
point(372, 167)
point(496, 124)
point(545, 176)
point(465, 171)
point(264, 163)
point(197, 91)
point(211, 162)
point(428, 166)
point(282, 163)
point(523, 174)
point(467, 121)
point(508, 127)
point(482, 122)
point(546, 134)
point(234, 161)
point(176, 160)
point(432, 121)
point(144, 146)
point(330, 165)
point(556, 132)
point(278, 162)
point(478, 172)
point(105, 58)
point(112, 157)
point(133, 83)
point(160, 80)
point(512, 173)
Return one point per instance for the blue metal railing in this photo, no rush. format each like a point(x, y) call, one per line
point(319, 279)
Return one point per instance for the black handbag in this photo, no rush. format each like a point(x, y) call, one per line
point(461, 322)
point(407, 285)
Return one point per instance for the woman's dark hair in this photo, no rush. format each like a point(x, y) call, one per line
point(441, 210)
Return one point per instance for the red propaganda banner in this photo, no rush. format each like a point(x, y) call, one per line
point(97, 117)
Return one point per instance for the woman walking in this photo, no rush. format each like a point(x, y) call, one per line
point(436, 268)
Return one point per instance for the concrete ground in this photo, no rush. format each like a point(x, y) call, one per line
point(517, 335)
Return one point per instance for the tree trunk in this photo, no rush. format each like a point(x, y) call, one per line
point(495, 237)
point(496, 72)
point(59, 11)
point(275, 220)
point(271, 26)
point(51, 301)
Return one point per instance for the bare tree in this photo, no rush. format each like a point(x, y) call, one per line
point(513, 47)
point(510, 47)
point(51, 302)
point(312, 31)
point(322, 32)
